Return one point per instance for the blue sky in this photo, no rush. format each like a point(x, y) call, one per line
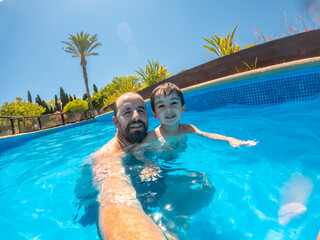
point(131, 32)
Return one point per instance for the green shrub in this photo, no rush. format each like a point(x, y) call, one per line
point(21, 108)
point(76, 105)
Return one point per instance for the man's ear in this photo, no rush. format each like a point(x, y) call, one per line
point(115, 121)
point(183, 109)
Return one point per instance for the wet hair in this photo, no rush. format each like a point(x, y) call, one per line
point(165, 89)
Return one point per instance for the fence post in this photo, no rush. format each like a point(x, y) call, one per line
point(12, 126)
point(85, 114)
point(19, 125)
point(62, 118)
point(39, 121)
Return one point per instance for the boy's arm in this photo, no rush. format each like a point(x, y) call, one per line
point(147, 141)
point(138, 151)
point(233, 141)
point(150, 170)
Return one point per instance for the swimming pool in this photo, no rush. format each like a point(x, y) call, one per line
point(232, 193)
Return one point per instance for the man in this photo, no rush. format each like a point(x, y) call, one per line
point(120, 213)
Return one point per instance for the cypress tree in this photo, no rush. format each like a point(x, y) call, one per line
point(39, 100)
point(95, 89)
point(63, 97)
point(56, 104)
point(42, 103)
point(29, 97)
point(85, 97)
point(70, 98)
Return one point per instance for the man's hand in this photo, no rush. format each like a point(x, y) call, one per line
point(236, 142)
point(150, 172)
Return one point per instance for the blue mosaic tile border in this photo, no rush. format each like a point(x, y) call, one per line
point(302, 85)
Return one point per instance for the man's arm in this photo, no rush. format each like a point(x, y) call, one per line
point(233, 141)
point(120, 213)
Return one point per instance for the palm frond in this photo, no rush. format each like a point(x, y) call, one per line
point(81, 45)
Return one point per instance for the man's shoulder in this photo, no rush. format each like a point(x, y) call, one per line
point(108, 148)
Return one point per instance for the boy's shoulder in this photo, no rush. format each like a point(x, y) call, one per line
point(152, 136)
point(187, 128)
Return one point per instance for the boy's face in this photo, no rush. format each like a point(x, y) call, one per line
point(168, 109)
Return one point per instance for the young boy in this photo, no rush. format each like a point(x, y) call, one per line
point(167, 105)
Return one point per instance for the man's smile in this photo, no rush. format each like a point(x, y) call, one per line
point(136, 126)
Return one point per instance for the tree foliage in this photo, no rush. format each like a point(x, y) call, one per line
point(63, 97)
point(29, 97)
point(98, 99)
point(76, 105)
point(95, 89)
point(56, 103)
point(223, 46)
point(43, 104)
point(118, 86)
point(21, 108)
point(82, 45)
point(153, 73)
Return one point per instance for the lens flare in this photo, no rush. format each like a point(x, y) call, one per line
point(294, 196)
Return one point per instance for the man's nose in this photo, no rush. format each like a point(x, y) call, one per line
point(135, 115)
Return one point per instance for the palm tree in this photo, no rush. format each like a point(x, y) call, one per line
point(81, 45)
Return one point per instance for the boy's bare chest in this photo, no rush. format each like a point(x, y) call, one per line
point(169, 143)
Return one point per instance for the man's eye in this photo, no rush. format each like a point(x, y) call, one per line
point(174, 103)
point(126, 112)
point(141, 111)
point(160, 106)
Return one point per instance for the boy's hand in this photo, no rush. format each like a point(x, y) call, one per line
point(236, 142)
point(150, 172)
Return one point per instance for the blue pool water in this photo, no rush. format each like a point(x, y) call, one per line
point(38, 178)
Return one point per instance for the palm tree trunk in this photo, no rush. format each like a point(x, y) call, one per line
point(85, 76)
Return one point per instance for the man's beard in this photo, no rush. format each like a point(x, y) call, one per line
point(136, 136)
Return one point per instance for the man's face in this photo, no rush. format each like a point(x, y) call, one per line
point(131, 119)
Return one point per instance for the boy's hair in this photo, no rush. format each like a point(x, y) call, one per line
point(165, 89)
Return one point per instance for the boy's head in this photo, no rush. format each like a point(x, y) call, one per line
point(165, 89)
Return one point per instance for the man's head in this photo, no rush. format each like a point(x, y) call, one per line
point(165, 90)
point(130, 117)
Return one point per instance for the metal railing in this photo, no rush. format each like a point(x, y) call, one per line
point(16, 125)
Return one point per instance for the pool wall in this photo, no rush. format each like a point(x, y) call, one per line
point(299, 85)
point(297, 81)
